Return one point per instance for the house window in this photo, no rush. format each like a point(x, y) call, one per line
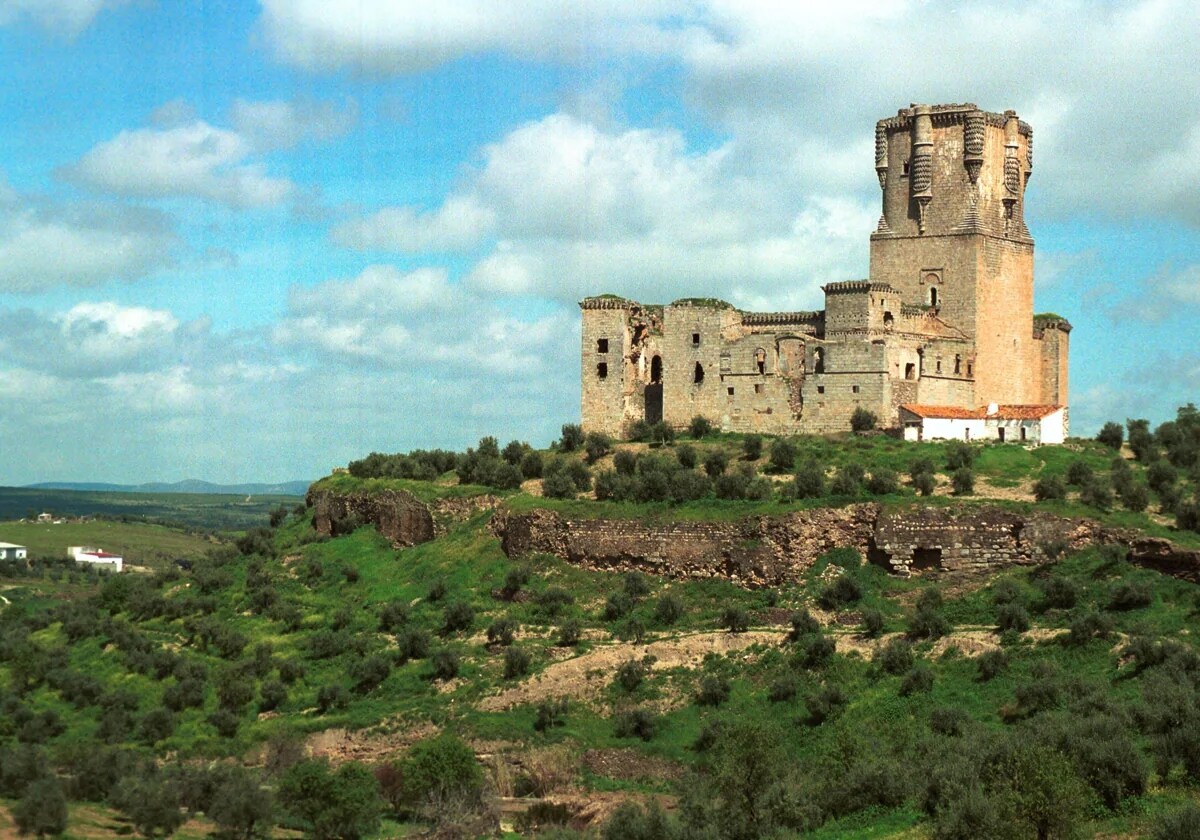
point(602, 345)
point(695, 339)
point(602, 370)
point(910, 371)
point(854, 389)
point(698, 373)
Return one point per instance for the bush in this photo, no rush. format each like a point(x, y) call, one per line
point(501, 631)
point(1006, 591)
point(668, 609)
point(715, 462)
point(783, 455)
point(1059, 592)
point(963, 481)
point(1050, 487)
point(825, 703)
point(532, 465)
point(393, 616)
point(1079, 473)
point(872, 623)
point(42, 809)
point(814, 651)
point(630, 674)
point(1111, 435)
point(883, 482)
point(949, 721)
point(1130, 595)
point(617, 606)
point(843, 590)
point(412, 643)
point(369, 673)
point(1187, 516)
point(550, 713)
point(241, 807)
point(631, 822)
point(699, 427)
point(1087, 626)
point(457, 617)
point(559, 485)
point(334, 805)
point(991, 663)
point(572, 438)
point(569, 633)
point(1096, 493)
point(713, 690)
point(687, 456)
point(445, 665)
point(1180, 824)
point(1135, 496)
point(782, 690)
point(1012, 617)
point(752, 447)
point(636, 723)
point(661, 434)
point(924, 483)
point(895, 657)
point(928, 622)
point(847, 481)
point(918, 680)
point(1161, 475)
point(735, 620)
point(803, 624)
point(809, 482)
point(596, 446)
point(514, 579)
point(639, 430)
point(271, 695)
point(554, 600)
point(331, 697)
point(862, 420)
point(959, 454)
point(516, 662)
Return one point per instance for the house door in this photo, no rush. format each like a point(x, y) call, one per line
point(654, 403)
point(1001, 434)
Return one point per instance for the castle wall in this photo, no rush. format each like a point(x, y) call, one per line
point(604, 399)
point(1007, 364)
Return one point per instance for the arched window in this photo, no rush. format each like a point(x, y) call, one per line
point(957, 363)
point(910, 371)
point(656, 370)
point(760, 360)
point(888, 320)
point(933, 296)
point(819, 360)
point(698, 373)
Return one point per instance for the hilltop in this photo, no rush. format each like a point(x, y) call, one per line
point(449, 675)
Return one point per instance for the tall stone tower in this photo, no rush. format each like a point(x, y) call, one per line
point(952, 236)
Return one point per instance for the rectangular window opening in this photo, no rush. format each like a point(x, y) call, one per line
point(602, 370)
point(729, 391)
point(695, 339)
point(854, 388)
point(602, 345)
point(758, 389)
point(820, 389)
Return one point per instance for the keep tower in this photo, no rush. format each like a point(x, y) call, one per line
point(952, 237)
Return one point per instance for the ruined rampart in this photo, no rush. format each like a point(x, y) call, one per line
point(398, 515)
point(774, 550)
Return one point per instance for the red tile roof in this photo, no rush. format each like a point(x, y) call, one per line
point(1002, 412)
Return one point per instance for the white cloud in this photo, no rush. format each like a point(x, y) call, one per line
point(457, 225)
point(282, 125)
point(195, 160)
point(62, 17)
point(384, 36)
point(45, 244)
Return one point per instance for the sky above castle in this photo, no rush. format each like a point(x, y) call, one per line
point(251, 241)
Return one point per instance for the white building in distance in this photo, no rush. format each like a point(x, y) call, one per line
point(11, 551)
point(96, 557)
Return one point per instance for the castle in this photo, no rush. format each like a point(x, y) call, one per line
point(944, 323)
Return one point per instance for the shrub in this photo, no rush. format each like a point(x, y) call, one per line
point(843, 590)
point(948, 720)
point(809, 482)
point(963, 481)
point(1161, 475)
point(330, 697)
point(1012, 617)
point(225, 722)
point(1050, 487)
point(1135, 496)
point(241, 807)
point(735, 620)
point(631, 822)
point(752, 446)
point(559, 485)
point(882, 482)
point(668, 609)
point(1130, 595)
point(814, 651)
point(457, 617)
point(1006, 591)
point(847, 481)
point(437, 591)
point(636, 723)
point(369, 673)
point(596, 446)
point(550, 713)
point(501, 631)
point(572, 438)
point(639, 430)
point(343, 804)
point(928, 622)
point(1059, 592)
point(271, 695)
point(862, 420)
point(553, 600)
point(532, 465)
point(1087, 626)
point(687, 456)
point(872, 623)
point(661, 434)
point(713, 690)
point(918, 680)
point(42, 809)
point(516, 663)
point(618, 605)
point(630, 674)
point(156, 725)
point(1187, 516)
point(699, 427)
point(991, 663)
point(1096, 493)
point(783, 455)
point(412, 643)
point(803, 624)
point(445, 665)
point(782, 690)
point(895, 657)
point(569, 633)
point(393, 616)
point(715, 462)
point(635, 584)
point(1111, 435)
point(825, 703)
point(924, 483)
point(1079, 473)
point(959, 454)
point(514, 579)
point(1180, 824)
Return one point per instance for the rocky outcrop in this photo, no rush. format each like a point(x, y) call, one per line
point(397, 514)
point(773, 550)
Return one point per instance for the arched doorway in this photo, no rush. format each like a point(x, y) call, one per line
point(654, 392)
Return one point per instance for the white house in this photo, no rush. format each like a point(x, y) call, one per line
point(11, 551)
point(96, 557)
point(1029, 424)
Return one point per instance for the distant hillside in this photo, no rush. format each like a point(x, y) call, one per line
point(188, 485)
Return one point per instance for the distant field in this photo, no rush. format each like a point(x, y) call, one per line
point(204, 511)
point(138, 542)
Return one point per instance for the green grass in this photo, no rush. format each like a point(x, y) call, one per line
point(139, 543)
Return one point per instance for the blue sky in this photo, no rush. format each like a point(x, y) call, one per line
point(254, 240)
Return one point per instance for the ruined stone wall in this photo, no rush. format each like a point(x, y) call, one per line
point(769, 551)
point(397, 514)
point(1053, 343)
point(604, 398)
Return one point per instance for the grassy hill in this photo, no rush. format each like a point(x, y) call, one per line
point(1058, 700)
point(142, 544)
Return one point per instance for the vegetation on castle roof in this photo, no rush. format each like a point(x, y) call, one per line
point(710, 303)
point(1043, 317)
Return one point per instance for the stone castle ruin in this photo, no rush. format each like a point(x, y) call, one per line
point(945, 318)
